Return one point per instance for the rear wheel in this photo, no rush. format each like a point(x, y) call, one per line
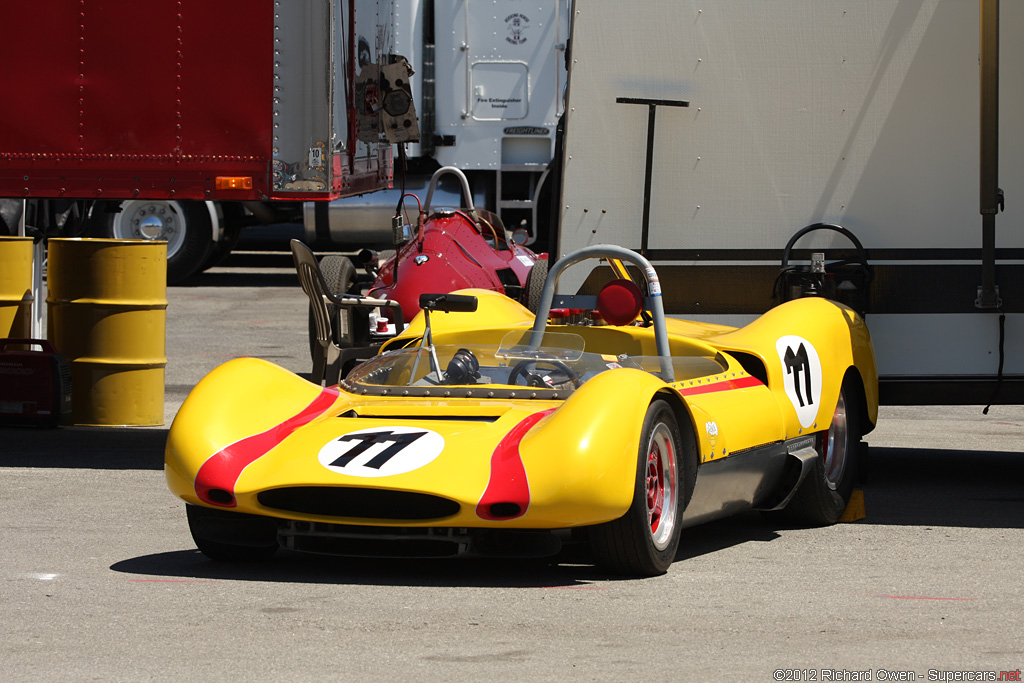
point(231, 229)
point(340, 274)
point(185, 226)
point(824, 494)
point(643, 542)
point(535, 284)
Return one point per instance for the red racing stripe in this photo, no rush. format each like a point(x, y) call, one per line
point(222, 469)
point(508, 482)
point(727, 385)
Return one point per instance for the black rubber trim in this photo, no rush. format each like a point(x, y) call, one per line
point(775, 255)
point(441, 391)
point(896, 288)
point(365, 503)
point(951, 391)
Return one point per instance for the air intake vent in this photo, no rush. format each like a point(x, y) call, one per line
point(363, 503)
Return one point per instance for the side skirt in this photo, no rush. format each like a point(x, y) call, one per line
point(762, 478)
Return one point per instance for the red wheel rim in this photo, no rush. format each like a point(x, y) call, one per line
point(655, 490)
point(660, 486)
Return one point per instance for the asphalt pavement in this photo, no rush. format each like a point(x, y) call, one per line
point(99, 579)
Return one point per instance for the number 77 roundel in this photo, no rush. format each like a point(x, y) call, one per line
point(381, 451)
point(802, 372)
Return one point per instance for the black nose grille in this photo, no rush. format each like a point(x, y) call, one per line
point(363, 503)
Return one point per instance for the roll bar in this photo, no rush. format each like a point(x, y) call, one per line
point(467, 196)
point(653, 302)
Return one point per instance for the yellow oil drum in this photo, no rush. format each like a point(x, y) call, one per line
point(107, 313)
point(15, 287)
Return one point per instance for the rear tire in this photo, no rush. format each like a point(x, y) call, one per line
point(535, 284)
point(644, 541)
point(824, 494)
point(340, 274)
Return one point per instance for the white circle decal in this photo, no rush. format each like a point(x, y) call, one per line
point(381, 451)
point(801, 369)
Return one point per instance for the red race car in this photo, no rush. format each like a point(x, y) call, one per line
point(457, 248)
point(447, 249)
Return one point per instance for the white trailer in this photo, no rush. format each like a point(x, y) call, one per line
point(739, 123)
point(488, 87)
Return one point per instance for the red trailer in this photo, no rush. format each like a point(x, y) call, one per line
point(186, 120)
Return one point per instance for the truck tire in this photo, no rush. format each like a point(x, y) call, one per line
point(184, 225)
point(231, 223)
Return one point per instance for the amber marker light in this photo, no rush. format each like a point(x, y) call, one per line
point(222, 182)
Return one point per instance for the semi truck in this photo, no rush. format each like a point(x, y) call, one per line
point(488, 87)
point(186, 121)
point(707, 135)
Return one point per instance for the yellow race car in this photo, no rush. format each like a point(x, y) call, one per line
point(483, 430)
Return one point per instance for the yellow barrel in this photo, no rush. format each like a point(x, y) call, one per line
point(107, 313)
point(15, 287)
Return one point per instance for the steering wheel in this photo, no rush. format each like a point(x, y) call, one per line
point(530, 370)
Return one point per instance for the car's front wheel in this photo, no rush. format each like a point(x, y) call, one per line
point(644, 541)
point(231, 536)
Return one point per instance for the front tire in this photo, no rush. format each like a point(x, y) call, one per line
point(232, 536)
point(185, 226)
point(825, 493)
point(644, 541)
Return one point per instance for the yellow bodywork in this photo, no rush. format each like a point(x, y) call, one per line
point(580, 458)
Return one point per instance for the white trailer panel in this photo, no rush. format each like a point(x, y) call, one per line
point(864, 114)
point(500, 67)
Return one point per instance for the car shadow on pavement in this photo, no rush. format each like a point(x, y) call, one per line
point(748, 527)
point(904, 487)
point(927, 487)
point(908, 487)
point(101, 448)
point(293, 567)
point(242, 279)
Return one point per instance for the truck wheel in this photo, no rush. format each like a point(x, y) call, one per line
point(185, 226)
point(231, 232)
point(643, 542)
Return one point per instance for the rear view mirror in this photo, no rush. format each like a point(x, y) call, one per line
point(449, 303)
